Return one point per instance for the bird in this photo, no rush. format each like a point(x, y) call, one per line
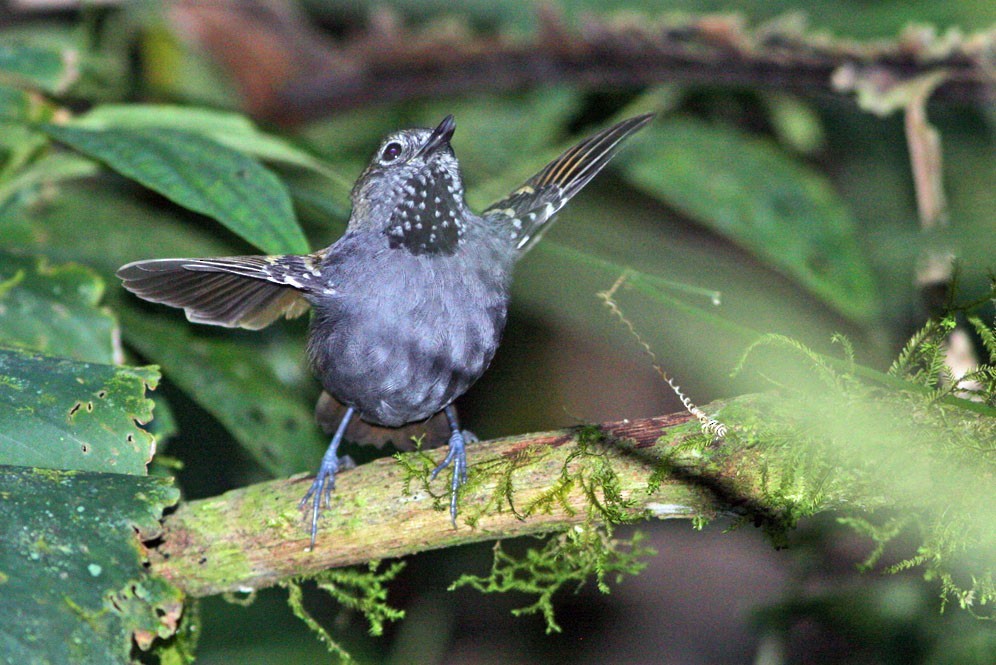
point(409, 304)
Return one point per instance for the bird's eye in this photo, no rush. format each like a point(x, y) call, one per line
point(391, 152)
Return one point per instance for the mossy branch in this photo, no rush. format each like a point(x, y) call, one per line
point(256, 536)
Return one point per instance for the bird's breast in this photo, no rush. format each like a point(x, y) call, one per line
point(405, 335)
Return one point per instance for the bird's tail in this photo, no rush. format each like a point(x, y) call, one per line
point(525, 213)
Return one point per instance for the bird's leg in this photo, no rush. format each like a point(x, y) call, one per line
point(457, 455)
point(325, 479)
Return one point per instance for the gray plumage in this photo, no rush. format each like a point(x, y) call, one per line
point(408, 306)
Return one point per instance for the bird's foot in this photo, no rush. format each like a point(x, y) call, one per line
point(320, 492)
point(457, 456)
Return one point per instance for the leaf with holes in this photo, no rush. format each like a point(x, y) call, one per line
point(54, 310)
point(73, 585)
point(58, 413)
point(256, 384)
point(199, 174)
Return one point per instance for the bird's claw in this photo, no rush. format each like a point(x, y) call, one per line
point(320, 492)
point(457, 456)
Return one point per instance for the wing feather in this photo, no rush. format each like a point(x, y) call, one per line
point(238, 291)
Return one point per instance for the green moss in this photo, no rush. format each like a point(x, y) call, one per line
point(569, 558)
point(909, 442)
point(360, 589)
point(574, 555)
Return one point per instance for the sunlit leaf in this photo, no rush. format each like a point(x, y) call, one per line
point(73, 587)
point(230, 129)
point(55, 310)
point(200, 174)
point(64, 414)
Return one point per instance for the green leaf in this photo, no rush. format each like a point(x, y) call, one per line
point(230, 129)
point(260, 376)
point(54, 310)
point(73, 587)
point(63, 414)
point(199, 174)
point(230, 381)
point(762, 199)
point(52, 70)
point(15, 104)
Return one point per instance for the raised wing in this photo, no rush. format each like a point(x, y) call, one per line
point(236, 291)
point(527, 210)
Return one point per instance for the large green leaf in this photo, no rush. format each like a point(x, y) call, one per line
point(200, 174)
point(52, 70)
point(54, 310)
point(73, 588)
point(747, 190)
point(241, 377)
point(231, 129)
point(63, 414)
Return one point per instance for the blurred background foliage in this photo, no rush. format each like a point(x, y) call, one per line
point(770, 209)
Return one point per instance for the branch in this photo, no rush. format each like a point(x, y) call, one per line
point(253, 537)
point(288, 71)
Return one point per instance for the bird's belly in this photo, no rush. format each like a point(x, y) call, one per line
point(404, 359)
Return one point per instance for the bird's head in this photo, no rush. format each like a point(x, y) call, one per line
point(412, 191)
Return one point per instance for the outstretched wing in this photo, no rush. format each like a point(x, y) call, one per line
point(236, 291)
point(527, 210)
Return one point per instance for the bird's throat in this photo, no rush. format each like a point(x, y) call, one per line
point(430, 215)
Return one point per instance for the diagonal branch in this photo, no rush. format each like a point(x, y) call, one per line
point(253, 537)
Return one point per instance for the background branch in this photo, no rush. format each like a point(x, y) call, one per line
point(254, 536)
point(308, 75)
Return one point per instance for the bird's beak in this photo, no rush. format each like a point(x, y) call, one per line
point(440, 136)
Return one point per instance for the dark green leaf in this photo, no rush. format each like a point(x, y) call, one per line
point(54, 310)
point(62, 414)
point(762, 199)
point(15, 104)
point(73, 588)
point(50, 69)
point(229, 380)
point(29, 183)
point(200, 174)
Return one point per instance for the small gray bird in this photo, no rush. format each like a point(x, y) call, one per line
point(410, 303)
